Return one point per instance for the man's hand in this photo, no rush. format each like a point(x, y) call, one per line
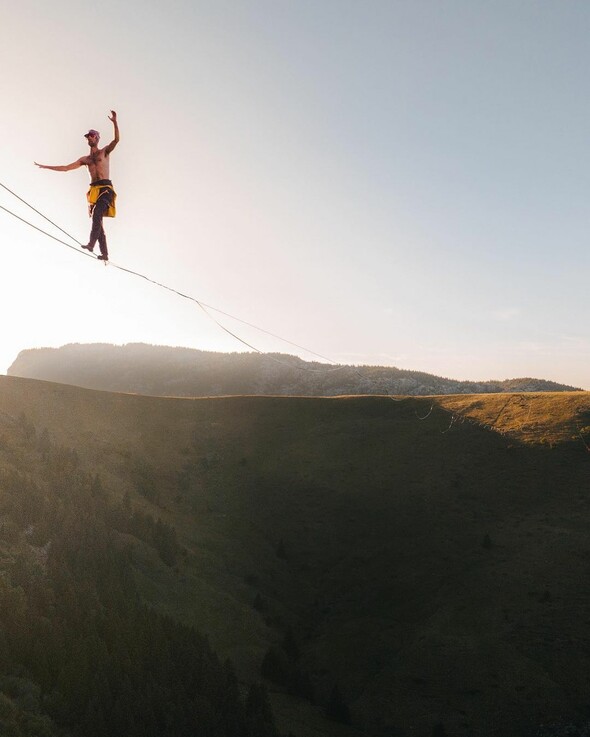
point(113, 118)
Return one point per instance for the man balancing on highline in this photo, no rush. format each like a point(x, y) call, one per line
point(101, 195)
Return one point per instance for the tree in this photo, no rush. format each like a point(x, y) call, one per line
point(337, 709)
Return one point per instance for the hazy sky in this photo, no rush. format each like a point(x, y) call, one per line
point(402, 183)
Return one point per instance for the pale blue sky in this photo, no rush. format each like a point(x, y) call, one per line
point(402, 183)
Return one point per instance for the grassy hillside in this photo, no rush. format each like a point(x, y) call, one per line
point(434, 570)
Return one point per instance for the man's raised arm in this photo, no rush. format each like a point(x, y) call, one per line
point(115, 141)
point(68, 167)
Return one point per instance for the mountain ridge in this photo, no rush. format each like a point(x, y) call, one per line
point(174, 371)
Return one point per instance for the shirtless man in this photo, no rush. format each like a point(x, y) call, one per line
point(101, 195)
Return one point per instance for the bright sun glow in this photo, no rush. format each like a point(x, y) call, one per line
point(383, 187)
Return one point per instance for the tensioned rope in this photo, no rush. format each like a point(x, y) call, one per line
point(203, 306)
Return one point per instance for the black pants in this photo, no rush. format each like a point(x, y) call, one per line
point(98, 212)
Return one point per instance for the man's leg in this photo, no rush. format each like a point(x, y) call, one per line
point(102, 243)
point(97, 232)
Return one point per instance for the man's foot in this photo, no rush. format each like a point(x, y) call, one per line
point(102, 258)
point(89, 248)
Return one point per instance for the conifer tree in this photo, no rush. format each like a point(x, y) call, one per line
point(337, 708)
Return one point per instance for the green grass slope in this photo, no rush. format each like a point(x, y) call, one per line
point(435, 570)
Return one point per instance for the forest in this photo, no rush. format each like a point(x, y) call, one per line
point(80, 654)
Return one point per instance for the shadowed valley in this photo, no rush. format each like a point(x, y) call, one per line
point(381, 574)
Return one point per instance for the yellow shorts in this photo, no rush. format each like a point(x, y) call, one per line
point(95, 191)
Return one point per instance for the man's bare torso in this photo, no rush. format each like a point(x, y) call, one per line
point(98, 164)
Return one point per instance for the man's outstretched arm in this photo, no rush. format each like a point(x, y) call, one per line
point(68, 167)
point(115, 141)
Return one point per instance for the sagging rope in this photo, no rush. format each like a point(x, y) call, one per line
point(203, 306)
